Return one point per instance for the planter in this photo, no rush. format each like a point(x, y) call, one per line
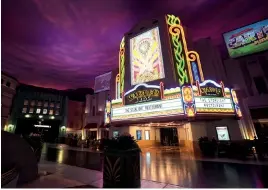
point(37, 144)
point(207, 149)
point(121, 169)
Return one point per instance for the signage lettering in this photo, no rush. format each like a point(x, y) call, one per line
point(157, 108)
point(211, 91)
point(142, 95)
point(144, 108)
point(217, 102)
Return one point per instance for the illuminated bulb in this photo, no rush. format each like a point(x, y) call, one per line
point(52, 117)
point(27, 116)
point(40, 116)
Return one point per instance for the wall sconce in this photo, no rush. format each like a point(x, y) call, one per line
point(63, 128)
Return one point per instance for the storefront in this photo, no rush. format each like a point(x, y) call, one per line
point(161, 96)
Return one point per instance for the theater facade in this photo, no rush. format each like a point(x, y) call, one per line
point(161, 96)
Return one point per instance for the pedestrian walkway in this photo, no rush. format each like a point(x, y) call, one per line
point(158, 168)
point(54, 175)
point(184, 155)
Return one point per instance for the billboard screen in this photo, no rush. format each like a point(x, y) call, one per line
point(146, 60)
point(102, 82)
point(247, 40)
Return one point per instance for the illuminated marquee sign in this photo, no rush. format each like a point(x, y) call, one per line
point(212, 98)
point(146, 59)
point(210, 88)
point(143, 93)
point(211, 91)
point(149, 109)
point(214, 103)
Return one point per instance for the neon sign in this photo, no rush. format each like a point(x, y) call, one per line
point(211, 91)
point(146, 59)
point(122, 66)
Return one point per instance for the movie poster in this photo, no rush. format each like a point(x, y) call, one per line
point(146, 58)
point(223, 134)
point(247, 40)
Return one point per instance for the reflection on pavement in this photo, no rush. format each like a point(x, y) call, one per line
point(174, 167)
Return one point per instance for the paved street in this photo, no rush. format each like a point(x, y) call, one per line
point(173, 167)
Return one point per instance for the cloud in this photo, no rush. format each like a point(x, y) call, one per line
point(66, 43)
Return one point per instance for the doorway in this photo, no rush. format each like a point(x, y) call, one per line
point(27, 126)
point(169, 136)
point(92, 135)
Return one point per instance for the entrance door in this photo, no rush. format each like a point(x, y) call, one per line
point(92, 135)
point(169, 136)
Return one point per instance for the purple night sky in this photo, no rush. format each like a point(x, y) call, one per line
point(66, 43)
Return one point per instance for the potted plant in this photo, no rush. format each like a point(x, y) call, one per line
point(121, 168)
point(207, 147)
point(36, 142)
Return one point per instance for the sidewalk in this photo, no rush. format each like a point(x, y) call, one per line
point(62, 176)
point(184, 155)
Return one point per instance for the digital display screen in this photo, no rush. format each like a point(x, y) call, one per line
point(223, 134)
point(102, 82)
point(146, 60)
point(247, 40)
point(115, 134)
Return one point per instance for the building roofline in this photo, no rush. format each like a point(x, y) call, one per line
point(8, 75)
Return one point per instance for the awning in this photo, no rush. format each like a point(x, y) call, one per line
point(91, 126)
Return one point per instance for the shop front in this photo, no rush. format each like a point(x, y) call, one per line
point(161, 97)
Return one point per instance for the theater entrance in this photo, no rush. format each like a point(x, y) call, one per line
point(169, 136)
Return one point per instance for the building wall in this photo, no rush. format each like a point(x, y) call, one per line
point(8, 91)
point(241, 73)
point(211, 61)
point(188, 133)
point(75, 115)
point(95, 106)
point(36, 102)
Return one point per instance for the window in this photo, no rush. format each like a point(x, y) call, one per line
point(44, 111)
point(38, 110)
point(51, 112)
point(32, 103)
point(26, 102)
point(51, 105)
point(45, 104)
point(93, 111)
point(260, 85)
point(39, 103)
point(138, 134)
point(24, 110)
point(31, 110)
point(8, 84)
point(115, 134)
point(147, 135)
point(57, 112)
